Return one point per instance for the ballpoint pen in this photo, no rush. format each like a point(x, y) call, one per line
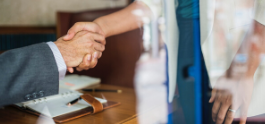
point(74, 101)
point(102, 90)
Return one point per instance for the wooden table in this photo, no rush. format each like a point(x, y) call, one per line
point(118, 114)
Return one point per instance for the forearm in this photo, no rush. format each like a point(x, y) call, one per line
point(127, 19)
point(257, 48)
point(251, 48)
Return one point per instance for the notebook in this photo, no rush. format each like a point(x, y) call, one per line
point(76, 82)
point(56, 105)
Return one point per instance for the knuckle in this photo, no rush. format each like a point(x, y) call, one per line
point(220, 118)
point(89, 44)
point(91, 67)
point(213, 116)
point(228, 101)
point(82, 68)
point(214, 113)
point(86, 65)
point(229, 117)
point(222, 100)
point(81, 65)
point(219, 97)
point(77, 24)
point(88, 35)
point(99, 55)
point(102, 47)
point(94, 66)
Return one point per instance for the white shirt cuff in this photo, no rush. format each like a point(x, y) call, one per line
point(59, 60)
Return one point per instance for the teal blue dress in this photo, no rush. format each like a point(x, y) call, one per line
point(188, 8)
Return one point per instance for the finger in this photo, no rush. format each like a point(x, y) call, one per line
point(73, 30)
point(94, 62)
point(243, 120)
point(216, 107)
point(81, 26)
point(71, 70)
point(96, 55)
point(222, 111)
point(99, 54)
point(243, 115)
point(213, 96)
point(99, 38)
point(79, 69)
point(85, 63)
point(99, 47)
point(229, 116)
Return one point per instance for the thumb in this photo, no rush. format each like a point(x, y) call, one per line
point(79, 26)
point(69, 36)
point(83, 26)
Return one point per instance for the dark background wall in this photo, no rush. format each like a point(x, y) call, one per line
point(11, 41)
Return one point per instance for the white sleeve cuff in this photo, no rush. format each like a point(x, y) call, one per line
point(59, 60)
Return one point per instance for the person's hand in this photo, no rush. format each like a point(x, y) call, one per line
point(83, 43)
point(87, 62)
point(84, 26)
point(230, 95)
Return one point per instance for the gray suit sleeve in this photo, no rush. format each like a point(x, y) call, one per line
point(28, 73)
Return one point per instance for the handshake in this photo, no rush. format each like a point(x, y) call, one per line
point(82, 46)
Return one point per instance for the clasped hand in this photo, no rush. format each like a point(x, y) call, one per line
point(82, 46)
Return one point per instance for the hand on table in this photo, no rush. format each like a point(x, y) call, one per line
point(229, 95)
point(87, 62)
point(83, 45)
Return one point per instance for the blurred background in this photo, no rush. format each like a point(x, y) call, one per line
point(25, 22)
point(164, 79)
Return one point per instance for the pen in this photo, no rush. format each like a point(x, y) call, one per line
point(74, 101)
point(102, 90)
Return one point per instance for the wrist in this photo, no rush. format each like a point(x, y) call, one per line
point(102, 24)
point(62, 51)
point(58, 59)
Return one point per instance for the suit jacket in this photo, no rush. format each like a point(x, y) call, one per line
point(28, 73)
